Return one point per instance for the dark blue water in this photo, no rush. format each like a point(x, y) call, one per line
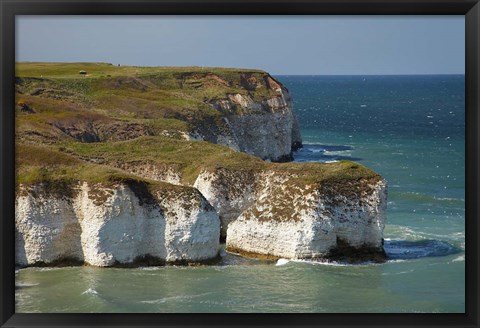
point(410, 129)
point(381, 106)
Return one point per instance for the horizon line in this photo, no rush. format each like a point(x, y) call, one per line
point(279, 74)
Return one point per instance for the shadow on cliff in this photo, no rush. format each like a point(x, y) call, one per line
point(323, 153)
point(20, 254)
point(409, 250)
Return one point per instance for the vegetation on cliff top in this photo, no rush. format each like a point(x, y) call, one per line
point(54, 101)
point(82, 127)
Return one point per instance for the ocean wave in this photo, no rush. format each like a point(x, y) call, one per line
point(173, 298)
point(450, 199)
point(151, 268)
point(310, 146)
point(25, 285)
point(403, 232)
point(47, 269)
point(452, 236)
point(282, 262)
point(459, 258)
point(332, 263)
point(396, 273)
point(90, 291)
point(425, 198)
point(396, 261)
point(408, 249)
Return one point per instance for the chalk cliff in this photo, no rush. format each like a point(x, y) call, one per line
point(266, 128)
point(115, 225)
point(128, 165)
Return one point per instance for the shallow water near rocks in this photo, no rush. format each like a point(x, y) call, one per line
point(410, 129)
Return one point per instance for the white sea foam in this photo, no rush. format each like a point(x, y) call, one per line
point(151, 268)
point(48, 269)
point(449, 199)
point(396, 261)
point(282, 262)
point(173, 298)
point(327, 263)
point(26, 284)
point(458, 259)
point(90, 291)
point(396, 273)
point(402, 232)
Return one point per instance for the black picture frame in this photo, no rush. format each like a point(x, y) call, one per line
point(10, 8)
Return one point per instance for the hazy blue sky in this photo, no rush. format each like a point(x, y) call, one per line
point(278, 44)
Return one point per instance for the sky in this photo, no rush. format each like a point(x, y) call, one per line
point(281, 45)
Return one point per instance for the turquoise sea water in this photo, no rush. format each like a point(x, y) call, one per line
point(410, 129)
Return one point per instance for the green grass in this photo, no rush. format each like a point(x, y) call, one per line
point(71, 70)
point(172, 99)
point(60, 175)
point(164, 94)
point(190, 157)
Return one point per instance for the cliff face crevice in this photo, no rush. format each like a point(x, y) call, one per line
point(230, 193)
point(107, 226)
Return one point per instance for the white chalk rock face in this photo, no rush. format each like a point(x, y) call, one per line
point(117, 229)
point(308, 223)
point(109, 226)
point(230, 193)
point(267, 136)
point(361, 221)
point(266, 128)
point(192, 228)
point(47, 229)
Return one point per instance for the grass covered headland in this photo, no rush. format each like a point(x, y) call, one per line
point(93, 121)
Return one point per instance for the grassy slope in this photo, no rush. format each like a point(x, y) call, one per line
point(160, 98)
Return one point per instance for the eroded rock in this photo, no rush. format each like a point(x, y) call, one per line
point(107, 226)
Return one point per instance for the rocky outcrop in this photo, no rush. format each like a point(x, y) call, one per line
point(269, 214)
point(265, 127)
point(119, 225)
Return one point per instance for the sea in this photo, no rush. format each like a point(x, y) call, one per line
point(408, 128)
